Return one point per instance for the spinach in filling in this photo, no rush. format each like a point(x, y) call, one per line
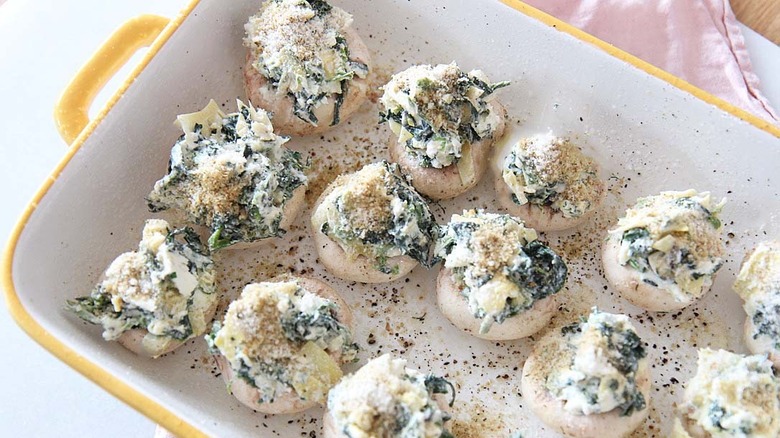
point(733, 395)
point(544, 193)
point(671, 264)
point(436, 110)
point(498, 253)
point(229, 178)
point(307, 69)
point(409, 425)
point(440, 385)
point(766, 320)
point(552, 172)
point(386, 399)
point(408, 227)
point(623, 350)
point(151, 296)
point(320, 327)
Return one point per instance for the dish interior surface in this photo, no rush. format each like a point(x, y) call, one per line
point(648, 136)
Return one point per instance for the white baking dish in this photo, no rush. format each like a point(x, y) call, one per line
point(651, 131)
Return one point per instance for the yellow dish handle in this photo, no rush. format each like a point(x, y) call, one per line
point(71, 111)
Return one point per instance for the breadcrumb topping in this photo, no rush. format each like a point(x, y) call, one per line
point(366, 198)
point(294, 28)
point(553, 172)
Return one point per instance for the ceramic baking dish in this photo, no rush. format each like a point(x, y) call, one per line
point(651, 132)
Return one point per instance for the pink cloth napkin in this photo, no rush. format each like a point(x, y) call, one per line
point(698, 41)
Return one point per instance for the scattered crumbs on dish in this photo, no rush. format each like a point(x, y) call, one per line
point(337, 155)
point(582, 245)
point(575, 300)
point(474, 421)
point(380, 75)
point(651, 427)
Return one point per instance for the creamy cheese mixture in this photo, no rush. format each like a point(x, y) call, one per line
point(165, 287)
point(230, 173)
point(299, 46)
point(758, 283)
point(438, 111)
point(376, 213)
point(596, 373)
point(733, 396)
point(384, 399)
point(498, 263)
point(280, 337)
point(673, 241)
point(553, 172)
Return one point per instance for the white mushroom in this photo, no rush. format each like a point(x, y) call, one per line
point(286, 399)
point(498, 281)
point(758, 284)
point(154, 299)
point(549, 183)
point(664, 253)
point(386, 399)
point(566, 413)
point(373, 203)
point(730, 395)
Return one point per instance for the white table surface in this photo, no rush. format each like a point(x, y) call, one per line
point(42, 44)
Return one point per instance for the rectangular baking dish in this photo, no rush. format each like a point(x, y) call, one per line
point(650, 131)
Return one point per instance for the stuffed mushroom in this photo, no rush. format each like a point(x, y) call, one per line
point(281, 345)
point(498, 281)
point(731, 395)
point(232, 174)
point(444, 122)
point(371, 226)
point(305, 64)
point(386, 399)
point(664, 253)
point(154, 299)
point(549, 183)
point(589, 379)
point(758, 283)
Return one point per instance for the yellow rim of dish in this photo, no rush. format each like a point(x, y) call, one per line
point(114, 385)
point(144, 403)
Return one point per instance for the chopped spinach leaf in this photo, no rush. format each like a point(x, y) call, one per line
point(321, 7)
point(216, 241)
point(539, 270)
point(440, 385)
point(765, 320)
